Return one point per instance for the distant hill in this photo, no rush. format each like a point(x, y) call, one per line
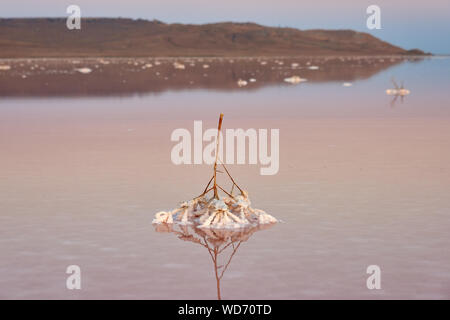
point(117, 37)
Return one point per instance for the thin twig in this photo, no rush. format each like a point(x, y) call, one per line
point(234, 182)
point(208, 184)
point(225, 192)
point(204, 193)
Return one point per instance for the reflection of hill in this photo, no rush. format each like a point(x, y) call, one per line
point(58, 77)
point(219, 243)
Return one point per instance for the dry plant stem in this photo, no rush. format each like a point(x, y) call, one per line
point(204, 192)
point(225, 192)
point(216, 194)
point(234, 182)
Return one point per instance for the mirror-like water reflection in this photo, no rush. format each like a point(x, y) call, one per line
point(360, 183)
point(121, 77)
point(220, 243)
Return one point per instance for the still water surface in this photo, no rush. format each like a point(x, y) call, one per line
point(362, 181)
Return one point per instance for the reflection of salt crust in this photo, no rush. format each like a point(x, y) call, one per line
point(224, 213)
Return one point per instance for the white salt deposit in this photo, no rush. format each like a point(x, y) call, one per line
point(222, 213)
point(163, 217)
point(397, 92)
point(84, 70)
point(178, 65)
point(295, 79)
point(5, 67)
point(242, 83)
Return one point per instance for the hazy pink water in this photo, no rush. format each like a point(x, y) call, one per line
point(360, 183)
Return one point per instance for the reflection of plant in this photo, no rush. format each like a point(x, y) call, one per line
point(399, 91)
point(229, 211)
point(216, 241)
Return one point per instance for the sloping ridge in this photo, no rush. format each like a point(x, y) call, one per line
point(49, 37)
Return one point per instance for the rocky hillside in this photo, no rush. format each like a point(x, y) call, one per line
point(49, 37)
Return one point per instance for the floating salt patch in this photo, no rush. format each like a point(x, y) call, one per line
point(5, 67)
point(347, 84)
point(252, 80)
point(263, 63)
point(398, 92)
point(104, 62)
point(294, 80)
point(313, 68)
point(205, 66)
point(177, 65)
point(157, 63)
point(242, 83)
point(294, 65)
point(24, 76)
point(76, 62)
point(148, 65)
point(84, 70)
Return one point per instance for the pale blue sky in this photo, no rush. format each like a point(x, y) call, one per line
point(409, 24)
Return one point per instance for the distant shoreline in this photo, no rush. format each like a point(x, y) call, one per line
point(174, 58)
point(126, 38)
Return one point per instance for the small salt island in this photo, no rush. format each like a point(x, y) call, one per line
point(220, 212)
